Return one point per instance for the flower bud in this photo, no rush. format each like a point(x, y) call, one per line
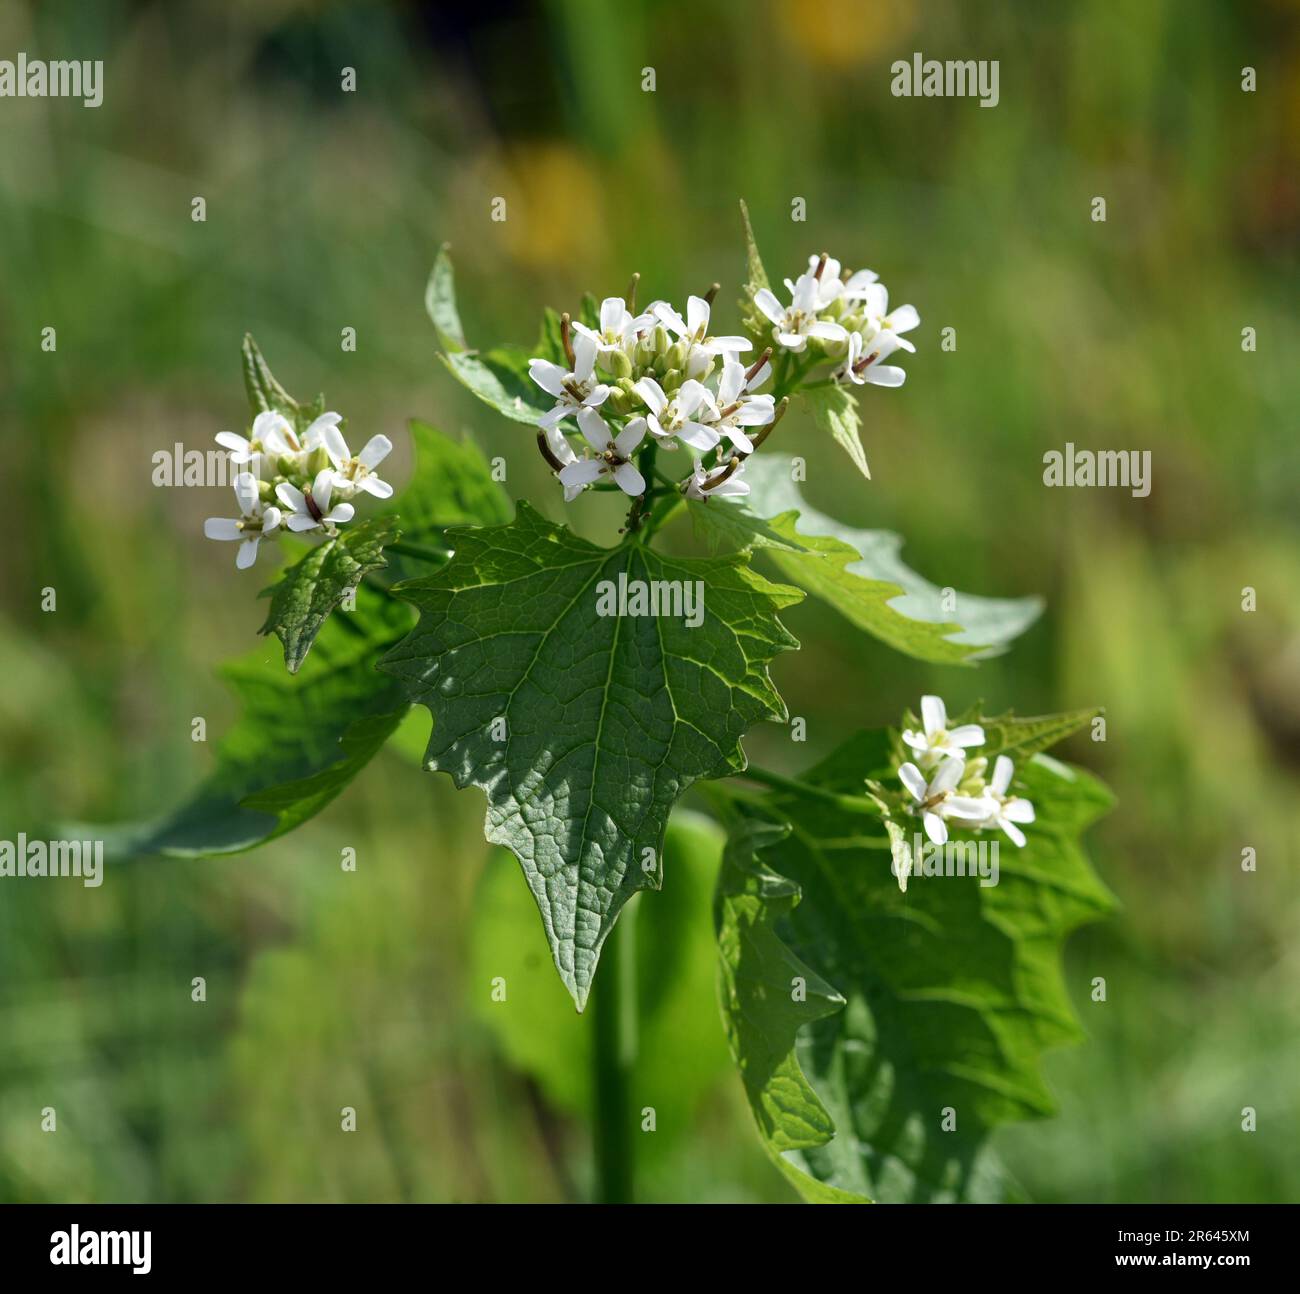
point(621, 400)
point(317, 461)
point(619, 364)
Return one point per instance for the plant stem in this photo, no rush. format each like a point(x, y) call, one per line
point(614, 1007)
point(853, 803)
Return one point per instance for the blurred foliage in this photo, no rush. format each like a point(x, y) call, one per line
point(324, 211)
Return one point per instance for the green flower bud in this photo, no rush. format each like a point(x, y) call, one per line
point(661, 338)
point(619, 364)
point(317, 461)
point(676, 355)
point(621, 401)
point(265, 491)
point(671, 380)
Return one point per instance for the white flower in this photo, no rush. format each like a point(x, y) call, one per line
point(310, 508)
point(860, 364)
point(672, 420)
point(563, 454)
point(732, 486)
point(618, 327)
point(253, 522)
point(614, 456)
point(894, 324)
point(936, 742)
point(572, 391)
point(936, 800)
point(694, 331)
point(353, 474)
point(793, 326)
point(997, 808)
point(733, 407)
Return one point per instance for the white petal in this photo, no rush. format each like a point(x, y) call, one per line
point(630, 437)
point(877, 299)
point(828, 331)
point(690, 396)
point(766, 301)
point(934, 714)
point(652, 393)
point(246, 491)
point(374, 486)
point(222, 528)
point(340, 513)
point(697, 435)
point(554, 415)
point(1001, 779)
point(697, 316)
point(559, 444)
point(594, 429)
point(857, 285)
point(918, 741)
point(584, 357)
point(612, 311)
point(270, 519)
point(969, 734)
point(247, 553)
point(630, 481)
point(965, 808)
point(236, 444)
point(904, 319)
point(1014, 834)
point(723, 345)
point(948, 776)
point(599, 394)
point(581, 472)
point(792, 340)
point(302, 521)
point(935, 828)
point(886, 375)
point(550, 377)
point(335, 446)
point(670, 319)
point(291, 497)
point(377, 449)
point(739, 439)
point(1018, 810)
point(322, 487)
point(912, 778)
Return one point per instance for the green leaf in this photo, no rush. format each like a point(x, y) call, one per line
point(607, 718)
point(498, 377)
point(730, 526)
point(756, 274)
point(265, 394)
point(953, 990)
point(440, 302)
point(835, 410)
point(681, 1053)
point(860, 574)
point(756, 322)
point(314, 586)
point(299, 741)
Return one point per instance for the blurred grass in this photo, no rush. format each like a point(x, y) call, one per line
point(324, 210)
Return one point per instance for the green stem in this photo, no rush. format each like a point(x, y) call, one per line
point(614, 1007)
point(853, 803)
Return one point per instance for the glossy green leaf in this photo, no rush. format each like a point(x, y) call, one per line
point(318, 583)
point(584, 728)
point(265, 394)
point(860, 573)
point(952, 990)
point(835, 410)
point(298, 742)
point(728, 525)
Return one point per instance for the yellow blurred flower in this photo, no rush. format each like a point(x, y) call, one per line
point(843, 33)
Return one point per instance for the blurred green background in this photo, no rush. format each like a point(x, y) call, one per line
point(324, 210)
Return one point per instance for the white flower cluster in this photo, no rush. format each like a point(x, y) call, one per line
point(653, 375)
point(948, 789)
point(848, 314)
point(312, 477)
point(660, 376)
